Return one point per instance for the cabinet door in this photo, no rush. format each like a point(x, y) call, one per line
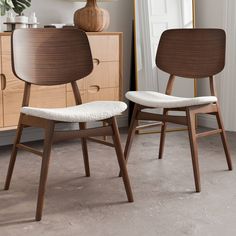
point(12, 101)
point(12, 94)
point(104, 75)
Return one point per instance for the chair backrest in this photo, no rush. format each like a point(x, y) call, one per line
point(192, 53)
point(51, 56)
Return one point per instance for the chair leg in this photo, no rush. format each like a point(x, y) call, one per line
point(85, 151)
point(121, 160)
point(194, 148)
point(104, 124)
point(162, 136)
point(44, 168)
point(13, 154)
point(131, 134)
point(224, 139)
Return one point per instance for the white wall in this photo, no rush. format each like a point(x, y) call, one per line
point(221, 14)
point(61, 11)
point(208, 15)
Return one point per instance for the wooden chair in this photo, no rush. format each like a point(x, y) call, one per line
point(188, 53)
point(53, 57)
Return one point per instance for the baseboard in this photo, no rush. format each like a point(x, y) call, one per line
point(207, 121)
point(33, 134)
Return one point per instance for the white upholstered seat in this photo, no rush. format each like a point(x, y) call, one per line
point(92, 111)
point(155, 99)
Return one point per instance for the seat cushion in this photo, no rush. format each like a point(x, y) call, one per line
point(160, 100)
point(92, 111)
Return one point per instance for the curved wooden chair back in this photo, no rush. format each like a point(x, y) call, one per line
point(51, 56)
point(192, 53)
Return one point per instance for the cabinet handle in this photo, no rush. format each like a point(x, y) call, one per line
point(96, 61)
point(94, 88)
point(3, 81)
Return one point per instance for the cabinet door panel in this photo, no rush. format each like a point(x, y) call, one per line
point(104, 75)
point(105, 47)
point(106, 94)
point(12, 101)
point(12, 83)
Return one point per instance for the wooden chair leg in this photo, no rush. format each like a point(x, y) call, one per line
point(85, 151)
point(162, 136)
point(224, 139)
point(131, 134)
point(104, 124)
point(44, 168)
point(13, 155)
point(121, 160)
point(194, 148)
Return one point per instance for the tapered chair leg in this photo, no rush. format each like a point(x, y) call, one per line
point(13, 155)
point(162, 136)
point(85, 152)
point(224, 139)
point(194, 148)
point(131, 134)
point(44, 168)
point(121, 160)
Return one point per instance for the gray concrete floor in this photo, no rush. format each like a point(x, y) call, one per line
point(165, 202)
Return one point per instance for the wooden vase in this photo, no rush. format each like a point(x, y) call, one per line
point(91, 18)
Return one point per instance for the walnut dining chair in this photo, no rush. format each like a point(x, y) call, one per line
point(47, 57)
point(187, 53)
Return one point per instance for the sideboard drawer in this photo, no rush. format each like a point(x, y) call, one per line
point(104, 75)
point(105, 47)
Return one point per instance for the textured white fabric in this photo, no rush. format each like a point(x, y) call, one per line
point(92, 111)
point(160, 100)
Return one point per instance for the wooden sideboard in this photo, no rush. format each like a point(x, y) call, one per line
point(104, 83)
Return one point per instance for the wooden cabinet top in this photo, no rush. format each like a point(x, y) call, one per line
point(89, 33)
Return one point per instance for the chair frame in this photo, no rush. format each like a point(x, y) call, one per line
point(189, 120)
point(52, 136)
